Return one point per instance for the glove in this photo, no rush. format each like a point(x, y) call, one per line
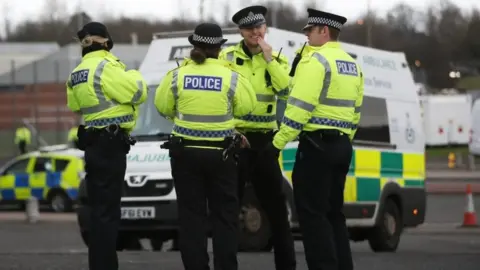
point(271, 150)
point(245, 143)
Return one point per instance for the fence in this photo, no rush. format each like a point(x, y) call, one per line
point(34, 95)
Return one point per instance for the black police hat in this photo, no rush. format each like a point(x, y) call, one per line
point(95, 29)
point(250, 17)
point(207, 34)
point(317, 17)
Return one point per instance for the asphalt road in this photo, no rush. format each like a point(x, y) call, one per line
point(49, 246)
point(438, 245)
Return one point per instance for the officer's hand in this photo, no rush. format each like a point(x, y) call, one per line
point(266, 49)
point(270, 149)
point(245, 143)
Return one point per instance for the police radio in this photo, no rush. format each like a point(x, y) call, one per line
point(296, 60)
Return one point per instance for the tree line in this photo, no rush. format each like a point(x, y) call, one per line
point(441, 39)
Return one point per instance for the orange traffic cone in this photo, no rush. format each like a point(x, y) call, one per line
point(469, 217)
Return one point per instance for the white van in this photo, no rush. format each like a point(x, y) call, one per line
point(447, 119)
point(474, 143)
point(385, 186)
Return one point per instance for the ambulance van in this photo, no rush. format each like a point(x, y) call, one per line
point(385, 188)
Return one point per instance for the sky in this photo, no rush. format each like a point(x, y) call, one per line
point(17, 11)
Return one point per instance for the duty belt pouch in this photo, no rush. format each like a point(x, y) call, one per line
point(175, 146)
point(82, 137)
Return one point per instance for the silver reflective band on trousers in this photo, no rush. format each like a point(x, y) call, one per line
point(103, 103)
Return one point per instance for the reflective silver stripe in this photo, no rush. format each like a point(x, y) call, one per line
point(103, 104)
point(231, 92)
point(282, 92)
point(139, 92)
point(207, 118)
point(110, 121)
point(265, 98)
point(230, 56)
point(174, 87)
point(324, 99)
point(358, 109)
point(301, 104)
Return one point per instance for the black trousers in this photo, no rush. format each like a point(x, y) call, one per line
point(105, 165)
point(204, 180)
point(318, 183)
point(265, 175)
point(22, 146)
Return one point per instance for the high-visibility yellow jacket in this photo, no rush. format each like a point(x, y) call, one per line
point(270, 81)
point(104, 92)
point(203, 99)
point(327, 93)
point(23, 134)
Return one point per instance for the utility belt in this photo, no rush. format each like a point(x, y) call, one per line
point(230, 145)
point(259, 138)
point(319, 137)
point(112, 137)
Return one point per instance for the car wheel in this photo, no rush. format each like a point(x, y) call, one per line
point(59, 202)
point(385, 236)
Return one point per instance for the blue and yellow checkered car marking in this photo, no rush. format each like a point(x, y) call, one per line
point(370, 170)
point(21, 186)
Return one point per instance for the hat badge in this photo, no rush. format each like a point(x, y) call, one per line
point(250, 14)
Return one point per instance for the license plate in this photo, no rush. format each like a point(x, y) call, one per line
point(138, 212)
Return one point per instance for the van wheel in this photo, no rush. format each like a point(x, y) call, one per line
point(157, 244)
point(385, 236)
point(59, 202)
point(175, 246)
point(128, 242)
point(254, 228)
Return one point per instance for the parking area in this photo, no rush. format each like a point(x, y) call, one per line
point(54, 243)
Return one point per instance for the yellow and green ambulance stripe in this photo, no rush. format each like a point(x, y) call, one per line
point(370, 170)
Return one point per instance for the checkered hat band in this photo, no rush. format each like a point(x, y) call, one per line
point(324, 21)
point(208, 40)
point(251, 19)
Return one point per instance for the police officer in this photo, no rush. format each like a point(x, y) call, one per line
point(202, 97)
point(23, 137)
point(268, 72)
point(323, 108)
point(107, 97)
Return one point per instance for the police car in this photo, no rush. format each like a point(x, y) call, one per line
point(52, 175)
point(385, 188)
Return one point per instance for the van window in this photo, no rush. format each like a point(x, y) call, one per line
point(373, 124)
